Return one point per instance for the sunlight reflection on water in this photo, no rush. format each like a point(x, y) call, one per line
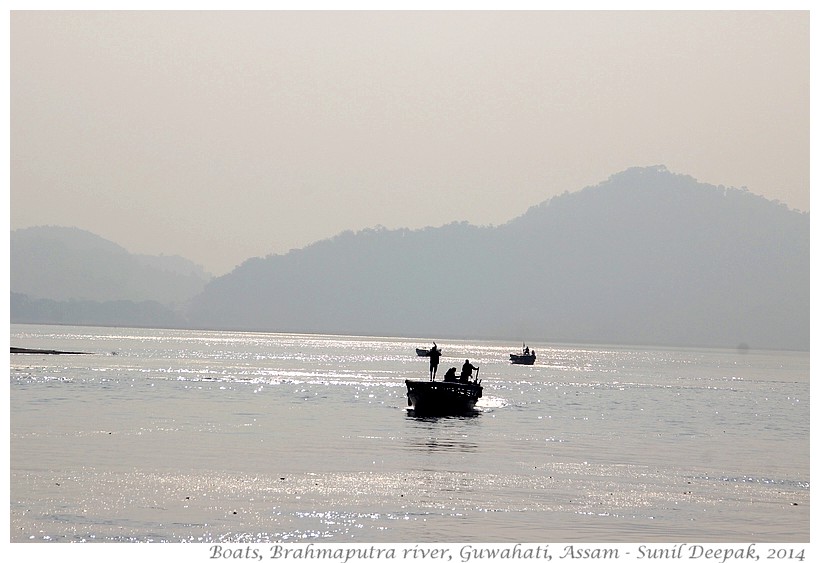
point(309, 437)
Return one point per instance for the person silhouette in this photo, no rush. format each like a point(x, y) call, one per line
point(435, 354)
point(467, 371)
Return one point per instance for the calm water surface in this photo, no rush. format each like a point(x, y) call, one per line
point(195, 436)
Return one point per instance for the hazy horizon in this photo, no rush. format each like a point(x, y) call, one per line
point(220, 136)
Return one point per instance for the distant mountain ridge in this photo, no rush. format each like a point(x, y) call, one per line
point(661, 258)
point(645, 257)
point(65, 263)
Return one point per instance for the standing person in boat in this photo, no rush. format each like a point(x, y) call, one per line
point(467, 371)
point(435, 354)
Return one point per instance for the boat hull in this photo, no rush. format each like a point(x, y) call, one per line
point(442, 397)
point(525, 359)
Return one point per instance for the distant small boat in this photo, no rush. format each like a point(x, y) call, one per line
point(442, 397)
point(526, 359)
point(424, 352)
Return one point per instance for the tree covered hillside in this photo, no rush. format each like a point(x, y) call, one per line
point(66, 263)
point(646, 257)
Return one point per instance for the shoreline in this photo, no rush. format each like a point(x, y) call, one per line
point(16, 350)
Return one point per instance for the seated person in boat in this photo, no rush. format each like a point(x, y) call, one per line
point(467, 371)
point(450, 375)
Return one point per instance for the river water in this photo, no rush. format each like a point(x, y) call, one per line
point(198, 436)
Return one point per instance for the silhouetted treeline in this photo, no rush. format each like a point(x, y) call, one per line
point(145, 314)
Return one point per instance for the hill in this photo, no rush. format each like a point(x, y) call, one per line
point(64, 263)
point(646, 257)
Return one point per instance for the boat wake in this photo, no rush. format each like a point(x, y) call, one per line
point(489, 403)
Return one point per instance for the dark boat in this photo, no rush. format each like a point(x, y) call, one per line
point(424, 352)
point(526, 359)
point(442, 397)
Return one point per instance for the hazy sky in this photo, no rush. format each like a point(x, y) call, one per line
point(220, 136)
